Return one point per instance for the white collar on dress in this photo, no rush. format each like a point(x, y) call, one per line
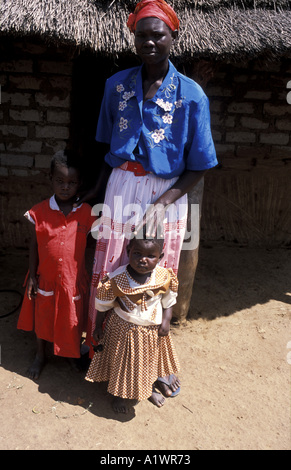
point(55, 207)
point(132, 282)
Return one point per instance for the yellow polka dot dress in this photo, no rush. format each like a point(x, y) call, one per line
point(133, 354)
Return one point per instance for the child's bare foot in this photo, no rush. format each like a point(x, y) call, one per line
point(157, 399)
point(169, 385)
point(36, 367)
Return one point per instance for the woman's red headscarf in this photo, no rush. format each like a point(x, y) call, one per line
point(153, 8)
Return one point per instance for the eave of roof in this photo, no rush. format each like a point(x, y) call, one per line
point(209, 28)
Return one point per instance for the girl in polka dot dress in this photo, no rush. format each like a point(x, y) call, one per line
point(136, 345)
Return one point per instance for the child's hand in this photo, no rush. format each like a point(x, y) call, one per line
point(32, 287)
point(98, 334)
point(164, 329)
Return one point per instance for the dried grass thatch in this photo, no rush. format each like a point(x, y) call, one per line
point(209, 28)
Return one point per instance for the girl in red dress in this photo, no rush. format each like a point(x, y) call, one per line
point(55, 304)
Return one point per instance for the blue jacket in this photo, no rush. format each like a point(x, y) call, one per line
point(166, 134)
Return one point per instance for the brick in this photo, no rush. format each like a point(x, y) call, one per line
point(17, 172)
point(271, 164)
point(25, 115)
point(26, 146)
point(216, 135)
point(221, 120)
point(277, 110)
point(16, 160)
point(16, 99)
point(258, 95)
point(219, 91)
point(240, 137)
point(37, 49)
point(27, 82)
point(242, 108)
point(62, 117)
point(236, 163)
point(42, 161)
point(53, 67)
point(17, 66)
point(225, 150)
point(215, 106)
point(283, 125)
point(281, 152)
point(274, 138)
point(52, 132)
point(254, 123)
point(247, 151)
point(54, 101)
point(63, 82)
point(51, 147)
point(19, 131)
point(269, 66)
point(3, 80)
point(241, 78)
point(3, 171)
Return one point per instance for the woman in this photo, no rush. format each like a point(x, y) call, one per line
point(157, 124)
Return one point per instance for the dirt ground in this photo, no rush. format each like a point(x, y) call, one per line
point(235, 373)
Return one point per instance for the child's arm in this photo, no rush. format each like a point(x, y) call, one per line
point(165, 325)
point(104, 301)
point(168, 301)
point(98, 332)
point(33, 265)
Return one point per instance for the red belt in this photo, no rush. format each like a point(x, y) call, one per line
point(135, 167)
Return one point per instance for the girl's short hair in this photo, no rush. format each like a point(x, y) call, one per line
point(67, 158)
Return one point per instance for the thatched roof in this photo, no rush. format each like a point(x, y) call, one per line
point(234, 29)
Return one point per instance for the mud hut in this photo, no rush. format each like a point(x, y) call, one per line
point(55, 57)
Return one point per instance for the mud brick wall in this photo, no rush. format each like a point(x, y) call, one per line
point(251, 118)
point(247, 198)
point(34, 123)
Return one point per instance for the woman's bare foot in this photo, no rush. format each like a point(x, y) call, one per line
point(36, 367)
point(168, 385)
point(157, 399)
point(122, 405)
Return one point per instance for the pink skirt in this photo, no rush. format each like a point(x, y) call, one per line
point(132, 359)
point(126, 200)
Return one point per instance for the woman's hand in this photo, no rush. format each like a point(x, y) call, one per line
point(84, 197)
point(95, 191)
point(152, 224)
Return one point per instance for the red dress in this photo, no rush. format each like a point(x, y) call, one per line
point(58, 313)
